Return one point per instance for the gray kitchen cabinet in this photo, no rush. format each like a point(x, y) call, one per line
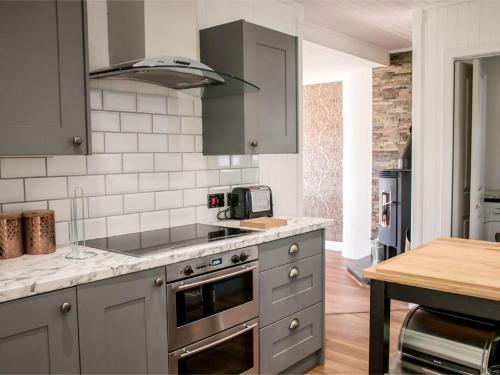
point(43, 75)
point(39, 334)
point(251, 122)
point(123, 324)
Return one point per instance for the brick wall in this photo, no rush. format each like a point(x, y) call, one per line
point(323, 137)
point(391, 118)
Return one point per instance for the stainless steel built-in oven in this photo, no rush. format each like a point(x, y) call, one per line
point(233, 351)
point(212, 303)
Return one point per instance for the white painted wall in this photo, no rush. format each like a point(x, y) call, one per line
point(491, 68)
point(465, 29)
point(357, 163)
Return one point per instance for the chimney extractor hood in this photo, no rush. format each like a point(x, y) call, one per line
point(126, 47)
point(177, 73)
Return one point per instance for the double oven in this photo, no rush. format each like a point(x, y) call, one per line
point(213, 309)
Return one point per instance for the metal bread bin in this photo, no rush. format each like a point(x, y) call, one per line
point(11, 235)
point(449, 342)
point(39, 232)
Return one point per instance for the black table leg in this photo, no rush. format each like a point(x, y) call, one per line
point(380, 313)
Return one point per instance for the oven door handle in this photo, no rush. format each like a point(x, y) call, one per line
point(213, 279)
point(247, 328)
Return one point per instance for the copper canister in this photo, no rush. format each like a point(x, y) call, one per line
point(11, 235)
point(39, 232)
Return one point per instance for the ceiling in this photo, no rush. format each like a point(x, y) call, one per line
point(385, 23)
point(322, 64)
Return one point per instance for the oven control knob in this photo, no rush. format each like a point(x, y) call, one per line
point(188, 270)
point(235, 259)
point(243, 257)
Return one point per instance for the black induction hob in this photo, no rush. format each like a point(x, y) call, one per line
point(145, 243)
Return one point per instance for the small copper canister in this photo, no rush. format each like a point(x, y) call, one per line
point(39, 232)
point(11, 235)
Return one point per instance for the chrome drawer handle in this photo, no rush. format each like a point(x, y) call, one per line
point(294, 272)
point(294, 248)
point(294, 324)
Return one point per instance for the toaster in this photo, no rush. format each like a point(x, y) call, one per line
point(250, 202)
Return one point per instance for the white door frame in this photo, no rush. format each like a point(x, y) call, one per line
point(418, 174)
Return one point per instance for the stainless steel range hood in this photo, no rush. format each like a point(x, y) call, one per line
point(126, 46)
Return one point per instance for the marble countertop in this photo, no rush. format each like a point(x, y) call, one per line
point(34, 274)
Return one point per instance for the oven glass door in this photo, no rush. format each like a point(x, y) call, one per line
point(232, 352)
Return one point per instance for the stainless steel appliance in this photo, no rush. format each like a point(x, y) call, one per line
point(250, 202)
point(442, 343)
point(145, 243)
point(212, 305)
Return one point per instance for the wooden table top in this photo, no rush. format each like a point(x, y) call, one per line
point(452, 265)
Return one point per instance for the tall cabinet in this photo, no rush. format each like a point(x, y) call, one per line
point(43, 75)
point(247, 122)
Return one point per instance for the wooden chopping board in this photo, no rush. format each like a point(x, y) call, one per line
point(263, 223)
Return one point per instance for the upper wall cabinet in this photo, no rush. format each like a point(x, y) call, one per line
point(43, 76)
point(258, 122)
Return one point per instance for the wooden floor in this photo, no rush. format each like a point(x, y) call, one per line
point(347, 321)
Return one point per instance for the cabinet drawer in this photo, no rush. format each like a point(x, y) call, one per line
point(290, 340)
point(287, 289)
point(276, 253)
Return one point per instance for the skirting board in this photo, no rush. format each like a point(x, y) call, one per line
point(334, 245)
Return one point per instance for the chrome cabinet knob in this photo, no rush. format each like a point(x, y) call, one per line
point(66, 307)
point(294, 324)
point(77, 141)
point(158, 281)
point(254, 143)
point(294, 272)
point(294, 248)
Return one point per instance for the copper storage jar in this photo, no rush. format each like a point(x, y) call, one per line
point(11, 235)
point(39, 232)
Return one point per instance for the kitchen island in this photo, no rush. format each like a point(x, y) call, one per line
point(449, 274)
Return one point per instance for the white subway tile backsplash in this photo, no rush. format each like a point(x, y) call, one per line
point(153, 181)
point(207, 178)
point(141, 202)
point(105, 121)
point(180, 106)
point(62, 233)
point(105, 206)
point(255, 161)
point(119, 101)
point(169, 199)
point(206, 215)
point(166, 124)
point(124, 224)
point(104, 163)
point(198, 143)
point(230, 176)
point(91, 185)
point(191, 125)
point(95, 228)
point(22, 167)
point(120, 142)
point(136, 122)
point(182, 216)
point(46, 188)
point(153, 143)
point(151, 103)
point(195, 197)
point(97, 142)
point(66, 165)
point(168, 162)
point(219, 162)
point(182, 180)
point(24, 206)
point(62, 209)
point(122, 183)
point(181, 143)
point(241, 161)
point(138, 163)
point(155, 220)
point(193, 161)
point(197, 107)
point(249, 175)
point(95, 99)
